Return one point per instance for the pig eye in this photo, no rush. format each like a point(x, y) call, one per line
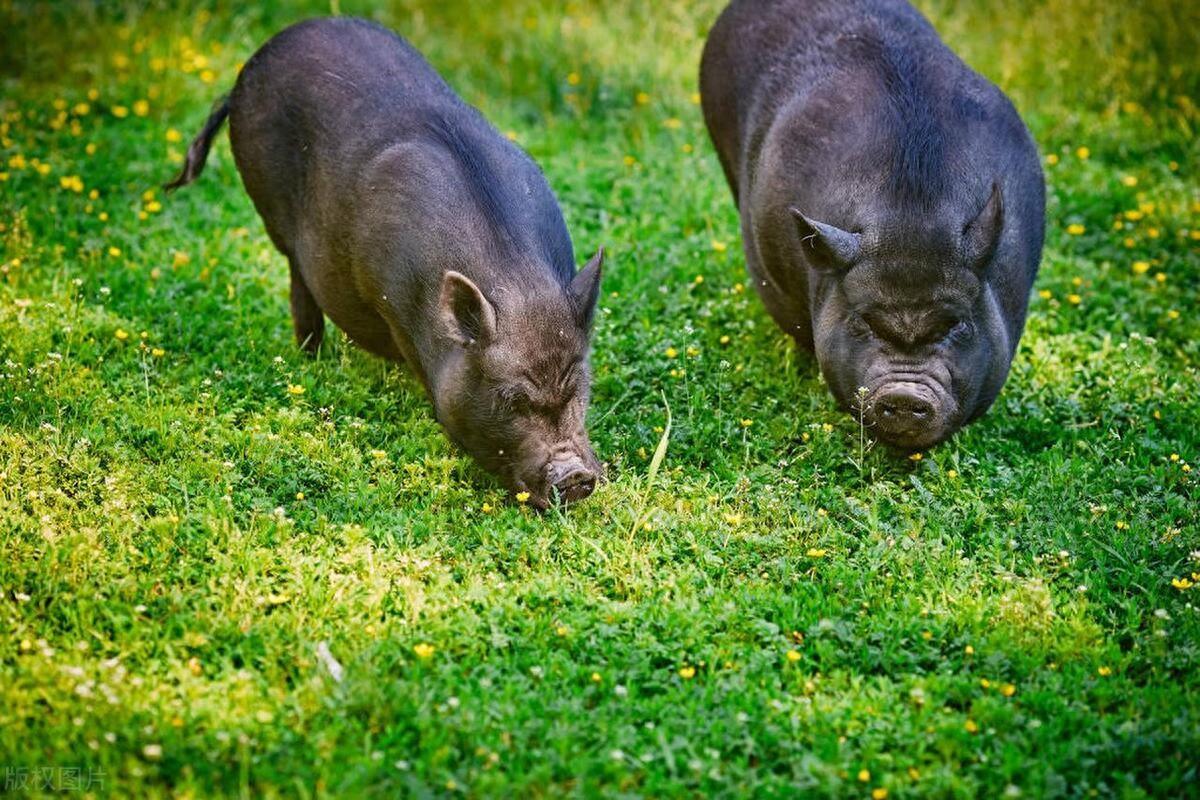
point(961, 332)
point(859, 328)
point(517, 399)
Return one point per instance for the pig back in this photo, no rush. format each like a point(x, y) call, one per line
point(312, 106)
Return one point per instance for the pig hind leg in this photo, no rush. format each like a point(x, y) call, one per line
point(307, 319)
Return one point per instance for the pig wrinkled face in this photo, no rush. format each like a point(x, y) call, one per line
point(911, 341)
point(514, 391)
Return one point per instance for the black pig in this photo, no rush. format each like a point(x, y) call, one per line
point(892, 203)
point(426, 236)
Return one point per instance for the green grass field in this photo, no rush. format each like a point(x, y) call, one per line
point(189, 507)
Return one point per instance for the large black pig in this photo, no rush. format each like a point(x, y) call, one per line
point(891, 200)
point(426, 236)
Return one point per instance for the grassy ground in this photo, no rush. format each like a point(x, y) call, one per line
point(189, 507)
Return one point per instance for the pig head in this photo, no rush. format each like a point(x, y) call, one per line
point(512, 387)
point(907, 327)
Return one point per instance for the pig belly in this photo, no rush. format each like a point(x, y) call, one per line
point(359, 320)
point(369, 331)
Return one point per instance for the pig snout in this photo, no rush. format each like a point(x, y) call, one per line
point(908, 414)
point(571, 479)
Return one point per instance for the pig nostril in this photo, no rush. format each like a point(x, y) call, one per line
point(899, 407)
point(576, 486)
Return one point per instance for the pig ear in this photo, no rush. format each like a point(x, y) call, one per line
point(982, 233)
point(585, 288)
point(468, 316)
point(825, 246)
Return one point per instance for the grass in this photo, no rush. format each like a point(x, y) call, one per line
point(191, 511)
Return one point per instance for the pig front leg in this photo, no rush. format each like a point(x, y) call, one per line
point(307, 319)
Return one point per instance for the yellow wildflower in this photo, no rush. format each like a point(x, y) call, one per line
point(687, 673)
point(1075, 229)
point(971, 727)
point(424, 650)
point(794, 656)
point(522, 497)
point(1083, 154)
point(295, 389)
